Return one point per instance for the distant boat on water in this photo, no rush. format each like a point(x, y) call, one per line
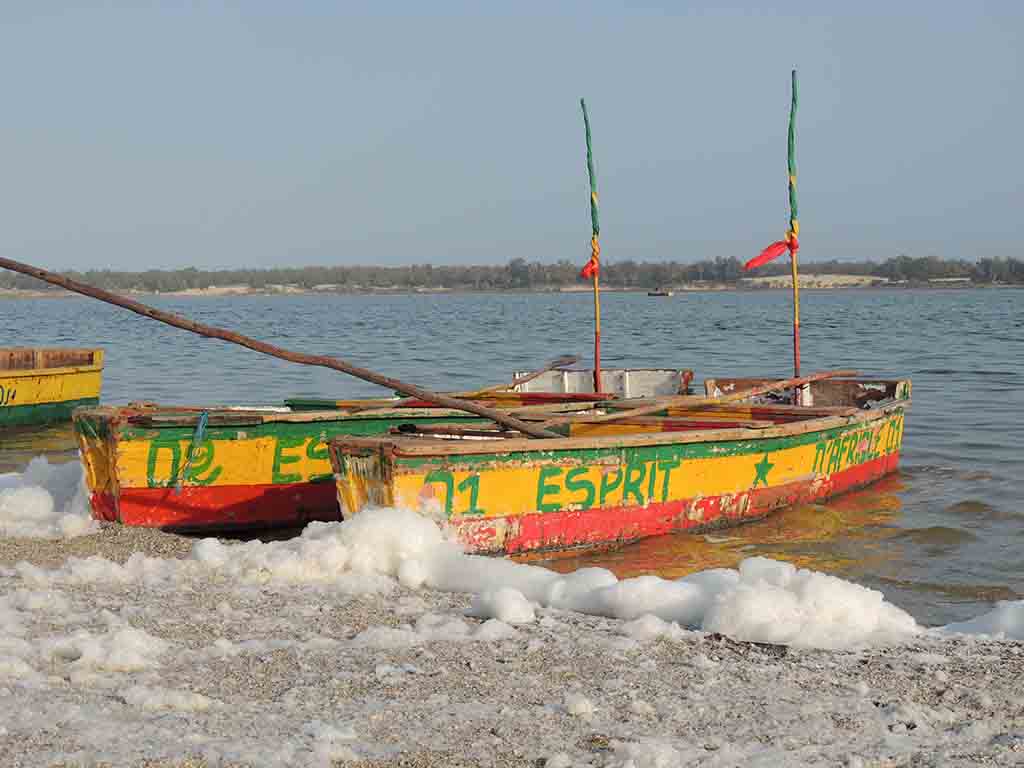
point(42, 385)
point(661, 293)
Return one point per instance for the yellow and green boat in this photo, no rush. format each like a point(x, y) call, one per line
point(609, 482)
point(219, 469)
point(44, 385)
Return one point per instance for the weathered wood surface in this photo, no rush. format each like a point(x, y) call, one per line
point(685, 401)
point(511, 496)
point(416, 446)
point(274, 351)
point(43, 358)
point(826, 393)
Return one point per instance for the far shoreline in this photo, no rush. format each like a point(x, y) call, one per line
point(810, 284)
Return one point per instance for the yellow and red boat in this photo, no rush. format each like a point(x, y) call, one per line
point(241, 469)
point(44, 385)
point(606, 482)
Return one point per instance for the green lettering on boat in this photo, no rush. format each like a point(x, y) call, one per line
point(609, 485)
point(575, 480)
point(281, 444)
point(543, 489)
point(635, 472)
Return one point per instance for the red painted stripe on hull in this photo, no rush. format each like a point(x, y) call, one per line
point(220, 507)
point(616, 525)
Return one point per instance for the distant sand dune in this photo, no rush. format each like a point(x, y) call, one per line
point(814, 281)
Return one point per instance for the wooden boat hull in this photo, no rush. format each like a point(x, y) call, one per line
point(43, 386)
point(251, 469)
point(257, 471)
point(599, 491)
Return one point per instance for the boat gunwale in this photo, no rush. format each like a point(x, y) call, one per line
point(717, 410)
point(25, 373)
point(169, 417)
point(96, 354)
point(429, 446)
point(188, 416)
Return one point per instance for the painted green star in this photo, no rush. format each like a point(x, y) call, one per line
point(763, 467)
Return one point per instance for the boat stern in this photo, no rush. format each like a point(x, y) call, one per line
point(94, 432)
point(861, 393)
point(362, 474)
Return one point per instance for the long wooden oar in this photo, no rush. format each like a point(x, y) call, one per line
point(533, 430)
point(699, 402)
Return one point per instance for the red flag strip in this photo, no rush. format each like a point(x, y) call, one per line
point(773, 251)
point(592, 267)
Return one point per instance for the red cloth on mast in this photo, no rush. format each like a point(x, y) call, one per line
point(592, 267)
point(773, 251)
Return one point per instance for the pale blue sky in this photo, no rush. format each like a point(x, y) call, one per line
point(263, 134)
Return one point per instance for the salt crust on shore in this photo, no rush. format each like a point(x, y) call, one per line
point(378, 642)
point(47, 501)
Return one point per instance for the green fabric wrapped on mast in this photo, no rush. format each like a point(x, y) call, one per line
point(792, 158)
point(593, 268)
point(801, 396)
point(594, 222)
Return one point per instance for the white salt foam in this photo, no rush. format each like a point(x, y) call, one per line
point(47, 501)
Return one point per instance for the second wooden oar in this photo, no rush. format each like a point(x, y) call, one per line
point(699, 402)
point(533, 430)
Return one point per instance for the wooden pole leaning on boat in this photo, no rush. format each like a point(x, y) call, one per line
point(683, 401)
point(533, 430)
point(559, 362)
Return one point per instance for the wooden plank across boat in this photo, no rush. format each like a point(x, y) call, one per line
point(613, 482)
point(43, 385)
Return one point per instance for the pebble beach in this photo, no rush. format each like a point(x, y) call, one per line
point(377, 642)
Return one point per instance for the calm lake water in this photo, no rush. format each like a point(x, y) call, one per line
point(943, 538)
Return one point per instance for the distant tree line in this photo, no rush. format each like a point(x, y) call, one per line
point(520, 274)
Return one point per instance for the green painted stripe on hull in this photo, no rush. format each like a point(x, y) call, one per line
point(666, 452)
point(311, 403)
point(92, 427)
point(347, 425)
point(41, 413)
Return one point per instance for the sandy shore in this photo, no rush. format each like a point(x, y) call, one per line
point(250, 672)
point(811, 280)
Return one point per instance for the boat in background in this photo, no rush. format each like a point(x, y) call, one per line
point(610, 482)
point(661, 293)
point(43, 385)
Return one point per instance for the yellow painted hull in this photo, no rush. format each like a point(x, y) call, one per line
point(604, 485)
point(43, 395)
